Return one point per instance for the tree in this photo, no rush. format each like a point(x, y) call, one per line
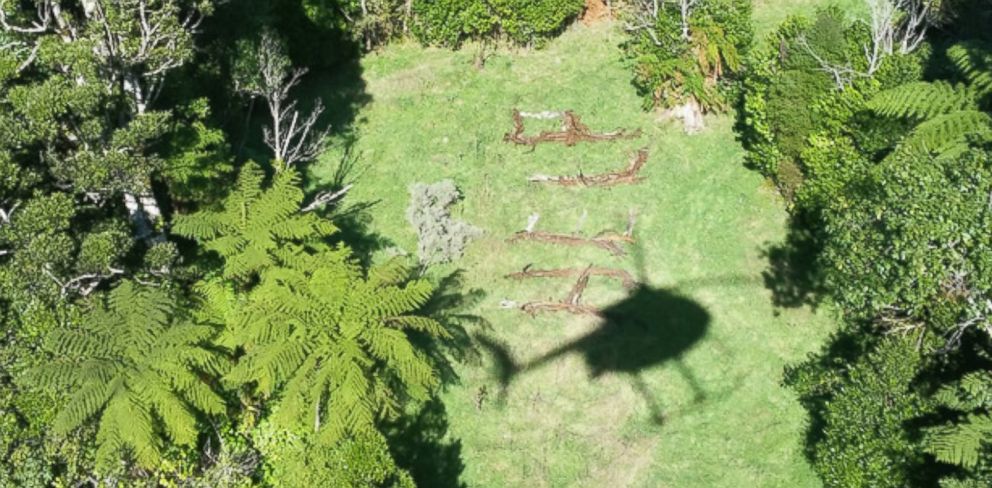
point(944, 113)
point(859, 410)
point(257, 228)
point(134, 363)
point(265, 72)
point(909, 248)
point(331, 341)
point(317, 332)
point(102, 71)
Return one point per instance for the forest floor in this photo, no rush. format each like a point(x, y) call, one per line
point(679, 384)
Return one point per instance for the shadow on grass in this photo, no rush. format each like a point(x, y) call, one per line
point(450, 305)
point(792, 275)
point(418, 440)
point(418, 443)
point(353, 220)
point(649, 328)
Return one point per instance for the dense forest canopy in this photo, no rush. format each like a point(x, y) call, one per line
point(185, 302)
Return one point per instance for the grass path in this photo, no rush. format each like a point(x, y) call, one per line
point(703, 221)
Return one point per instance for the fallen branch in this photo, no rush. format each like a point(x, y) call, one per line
point(608, 241)
point(619, 274)
point(573, 131)
point(570, 304)
point(575, 295)
point(534, 308)
point(627, 176)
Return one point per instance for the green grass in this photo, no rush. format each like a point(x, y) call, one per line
point(703, 220)
point(769, 13)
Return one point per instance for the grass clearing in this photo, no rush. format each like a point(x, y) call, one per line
point(702, 222)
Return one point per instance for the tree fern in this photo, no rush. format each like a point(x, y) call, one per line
point(923, 100)
point(974, 61)
point(131, 366)
point(947, 114)
point(941, 133)
point(964, 442)
point(254, 228)
point(329, 343)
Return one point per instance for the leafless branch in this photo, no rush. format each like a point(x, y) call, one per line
point(842, 75)
point(83, 284)
point(324, 198)
point(293, 137)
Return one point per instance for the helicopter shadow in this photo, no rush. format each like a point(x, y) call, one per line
point(649, 328)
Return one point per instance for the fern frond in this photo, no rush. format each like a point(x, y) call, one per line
point(923, 100)
point(83, 404)
point(940, 133)
point(422, 324)
point(974, 61)
point(179, 423)
point(962, 443)
point(392, 272)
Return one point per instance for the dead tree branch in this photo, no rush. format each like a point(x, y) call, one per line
point(571, 304)
point(625, 277)
point(611, 242)
point(293, 136)
point(323, 198)
point(83, 284)
point(626, 176)
point(573, 131)
point(607, 240)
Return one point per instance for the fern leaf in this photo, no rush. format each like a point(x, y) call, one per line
point(974, 61)
point(938, 134)
point(961, 444)
point(83, 404)
point(923, 100)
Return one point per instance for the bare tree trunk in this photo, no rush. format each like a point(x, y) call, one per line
point(138, 217)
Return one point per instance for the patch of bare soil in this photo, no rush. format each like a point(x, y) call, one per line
point(595, 11)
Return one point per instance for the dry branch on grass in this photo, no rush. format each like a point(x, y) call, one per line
point(607, 240)
point(611, 242)
point(571, 304)
point(625, 277)
point(573, 131)
point(626, 176)
point(534, 308)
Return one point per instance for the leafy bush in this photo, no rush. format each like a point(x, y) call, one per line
point(790, 97)
point(357, 462)
point(679, 60)
point(859, 410)
point(525, 22)
point(441, 239)
point(911, 242)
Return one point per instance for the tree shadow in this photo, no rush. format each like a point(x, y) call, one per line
point(419, 445)
point(792, 275)
point(354, 220)
point(649, 328)
point(450, 305)
point(326, 48)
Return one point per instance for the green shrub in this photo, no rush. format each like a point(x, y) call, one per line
point(860, 408)
point(671, 69)
point(912, 241)
point(525, 22)
point(790, 99)
point(441, 239)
